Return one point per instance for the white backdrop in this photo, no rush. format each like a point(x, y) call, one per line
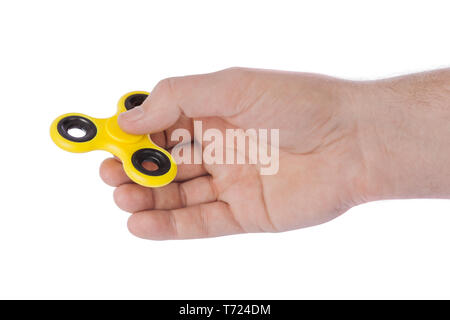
point(61, 235)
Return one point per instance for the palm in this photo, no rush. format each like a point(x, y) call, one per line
point(303, 193)
point(319, 175)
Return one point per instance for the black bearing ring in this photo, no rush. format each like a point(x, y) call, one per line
point(78, 122)
point(152, 155)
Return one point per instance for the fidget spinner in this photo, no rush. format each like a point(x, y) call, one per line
point(105, 134)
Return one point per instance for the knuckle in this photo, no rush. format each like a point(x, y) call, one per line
point(165, 86)
point(236, 71)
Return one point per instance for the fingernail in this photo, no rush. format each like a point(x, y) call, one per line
point(133, 114)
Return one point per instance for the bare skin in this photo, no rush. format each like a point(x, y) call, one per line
point(342, 143)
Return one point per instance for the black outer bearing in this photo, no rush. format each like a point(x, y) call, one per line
point(135, 100)
point(78, 122)
point(153, 155)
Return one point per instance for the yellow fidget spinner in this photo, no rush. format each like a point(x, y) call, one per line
point(105, 134)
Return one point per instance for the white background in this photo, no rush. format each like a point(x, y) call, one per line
point(61, 235)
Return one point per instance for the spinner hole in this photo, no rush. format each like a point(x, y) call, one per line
point(76, 132)
point(77, 128)
point(151, 162)
point(150, 165)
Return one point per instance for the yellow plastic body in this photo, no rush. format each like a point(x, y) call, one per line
point(111, 138)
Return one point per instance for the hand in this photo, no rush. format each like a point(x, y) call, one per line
point(331, 156)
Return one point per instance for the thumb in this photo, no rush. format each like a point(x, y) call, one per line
point(206, 95)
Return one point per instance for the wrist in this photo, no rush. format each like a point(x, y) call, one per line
point(404, 134)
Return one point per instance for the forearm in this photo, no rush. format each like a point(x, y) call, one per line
point(404, 131)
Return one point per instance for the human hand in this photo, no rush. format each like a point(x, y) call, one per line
point(332, 155)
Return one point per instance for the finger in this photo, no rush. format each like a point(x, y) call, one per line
point(112, 173)
point(189, 171)
point(169, 138)
point(159, 138)
point(183, 123)
point(134, 198)
point(206, 95)
point(200, 221)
